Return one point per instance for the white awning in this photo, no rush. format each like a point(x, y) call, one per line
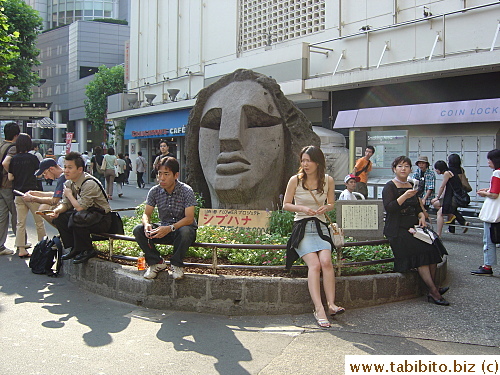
point(486, 110)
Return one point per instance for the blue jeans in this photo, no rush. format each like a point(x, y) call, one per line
point(489, 248)
point(6, 205)
point(182, 238)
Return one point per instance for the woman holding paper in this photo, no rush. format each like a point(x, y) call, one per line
point(403, 213)
point(22, 170)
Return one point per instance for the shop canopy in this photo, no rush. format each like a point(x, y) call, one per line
point(486, 110)
point(158, 125)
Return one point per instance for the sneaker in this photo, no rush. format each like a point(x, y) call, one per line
point(177, 272)
point(6, 252)
point(152, 271)
point(482, 271)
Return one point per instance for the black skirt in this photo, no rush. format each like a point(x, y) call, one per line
point(410, 252)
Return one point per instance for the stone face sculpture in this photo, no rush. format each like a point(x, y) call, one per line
point(243, 140)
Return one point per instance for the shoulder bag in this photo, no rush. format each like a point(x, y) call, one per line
point(336, 233)
point(465, 182)
point(461, 197)
point(93, 215)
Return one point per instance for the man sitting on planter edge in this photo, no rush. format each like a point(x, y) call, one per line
point(176, 202)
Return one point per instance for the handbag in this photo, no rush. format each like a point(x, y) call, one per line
point(153, 173)
point(98, 166)
point(336, 233)
point(495, 232)
point(465, 181)
point(461, 198)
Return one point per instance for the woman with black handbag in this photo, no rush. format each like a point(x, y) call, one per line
point(490, 215)
point(450, 186)
point(404, 212)
point(310, 237)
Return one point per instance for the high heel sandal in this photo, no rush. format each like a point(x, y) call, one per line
point(440, 302)
point(322, 323)
point(338, 311)
point(443, 290)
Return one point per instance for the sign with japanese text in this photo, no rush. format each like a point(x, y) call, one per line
point(361, 217)
point(234, 218)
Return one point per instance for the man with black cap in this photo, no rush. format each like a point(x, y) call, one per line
point(48, 200)
point(427, 181)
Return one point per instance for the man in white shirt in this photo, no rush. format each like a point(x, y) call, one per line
point(350, 184)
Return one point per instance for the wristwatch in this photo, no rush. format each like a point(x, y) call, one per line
point(172, 227)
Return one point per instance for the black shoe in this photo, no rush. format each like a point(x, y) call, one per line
point(482, 271)
point(440, 302)
point(444, 290)
point(85, 256)
point(73, 253)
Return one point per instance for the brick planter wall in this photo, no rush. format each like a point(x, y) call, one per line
point(238, 295)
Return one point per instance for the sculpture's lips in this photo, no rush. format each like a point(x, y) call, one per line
point(229, 163)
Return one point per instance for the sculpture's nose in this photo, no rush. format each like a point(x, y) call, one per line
point(231, 129)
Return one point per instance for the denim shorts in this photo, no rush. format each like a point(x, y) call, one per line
point(312, 242)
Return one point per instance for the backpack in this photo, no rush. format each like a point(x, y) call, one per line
point(45, 254)
point(4, 155)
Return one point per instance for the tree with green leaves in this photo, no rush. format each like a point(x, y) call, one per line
point(8, 49)
point(106, 82)
point(27, 24)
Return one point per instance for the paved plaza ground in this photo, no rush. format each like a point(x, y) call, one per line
point(50, 326)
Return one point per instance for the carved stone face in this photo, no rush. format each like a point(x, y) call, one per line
point(241, 145)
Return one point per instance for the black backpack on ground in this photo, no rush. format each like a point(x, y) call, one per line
point(45, 254)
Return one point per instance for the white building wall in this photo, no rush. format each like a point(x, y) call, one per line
point(170, 38)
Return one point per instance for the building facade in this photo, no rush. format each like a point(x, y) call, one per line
point(72, 47)
point(330, 57)
point(56, 13)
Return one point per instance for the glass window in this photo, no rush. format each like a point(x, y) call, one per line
point(108, 7)
point(88, 13)
point(70, 5)
point(107, 13)
point(97, 13)
point(98, 6)
point(78, 13)
point(86, 71)
point(88, 5)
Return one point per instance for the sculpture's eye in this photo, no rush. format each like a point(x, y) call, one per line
point(211, 119)
point(257, 118)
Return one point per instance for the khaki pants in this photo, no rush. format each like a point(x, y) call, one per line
point(23, 208)
point(362, 188)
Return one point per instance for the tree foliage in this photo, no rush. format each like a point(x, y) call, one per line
point(107, 81)
point(8, 49)
point(27, 24)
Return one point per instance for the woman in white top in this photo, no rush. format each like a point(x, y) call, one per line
point(108, 164)
point(120, 169)
point(310, 237)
